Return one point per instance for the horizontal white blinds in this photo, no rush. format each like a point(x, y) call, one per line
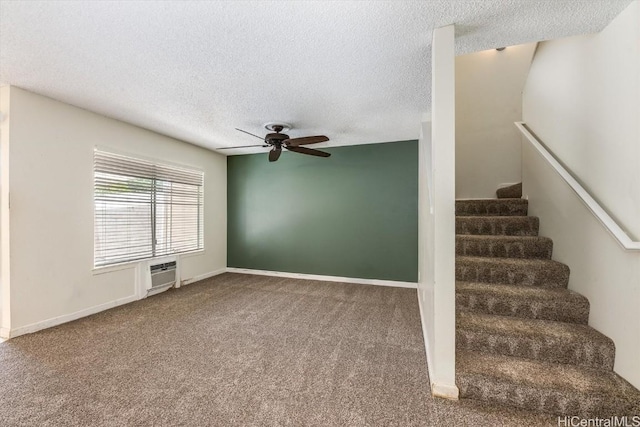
point(144, 209)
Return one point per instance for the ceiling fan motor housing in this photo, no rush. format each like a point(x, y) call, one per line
point(275, 138)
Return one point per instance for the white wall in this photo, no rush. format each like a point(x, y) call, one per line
point(600, 268)
point(488, 100)
point(436, 224)
point(51, 155)
point(582, 99)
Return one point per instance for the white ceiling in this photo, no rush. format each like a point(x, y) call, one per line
point(356, 71)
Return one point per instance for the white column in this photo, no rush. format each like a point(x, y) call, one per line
point(442, 343)
point(5, 295)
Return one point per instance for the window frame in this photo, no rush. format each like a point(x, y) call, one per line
point(200, 209)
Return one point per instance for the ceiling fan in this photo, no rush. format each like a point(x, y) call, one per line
point(277, 141)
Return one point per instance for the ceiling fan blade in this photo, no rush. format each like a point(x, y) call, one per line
point(249, 133)
point(306, 140)
point(274, 154)
point(242, 146)
point(310, 151)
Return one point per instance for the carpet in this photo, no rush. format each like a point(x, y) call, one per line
point(237, 350)
point(522, 337)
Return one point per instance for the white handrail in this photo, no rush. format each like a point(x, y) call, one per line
point(605, 219)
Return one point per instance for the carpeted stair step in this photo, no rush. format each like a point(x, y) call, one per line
point(556, 342)
point(511, 192)
point(492, 207)
point(563, 390)
point(504, 246)
point(498, 225)
point(561, 305)
point(512, 271)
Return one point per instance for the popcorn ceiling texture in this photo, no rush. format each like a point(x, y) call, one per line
point(358, 72)
point(522, 338)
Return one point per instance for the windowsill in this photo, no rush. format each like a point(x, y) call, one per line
point(133, 264)
point(115, 267)
point(190, 254)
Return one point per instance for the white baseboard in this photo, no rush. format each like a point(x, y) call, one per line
point(55, 321)
point(425, 338)
point(303, 276)
point(202, 276)
point(446, 391)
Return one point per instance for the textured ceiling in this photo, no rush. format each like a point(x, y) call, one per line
point(358, 72)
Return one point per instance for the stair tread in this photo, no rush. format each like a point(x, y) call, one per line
point(531, 328)
point(514, 291)
point(504, 246)
point(545, 374)
point(492, 207)
point(557, 342)
point(522, 301)
point(525, 262)
point(503, 199)
point(501, 246)
point(501, 238)
point(594, 391)
point(513, 271)
point(505, 218)
point(487, 225)
point(496, 217)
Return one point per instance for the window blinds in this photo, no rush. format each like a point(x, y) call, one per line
point(144, 209)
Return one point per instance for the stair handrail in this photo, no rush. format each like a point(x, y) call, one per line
point(598, 211)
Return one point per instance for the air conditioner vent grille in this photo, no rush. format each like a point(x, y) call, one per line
point(163, 276)
point(163, 266)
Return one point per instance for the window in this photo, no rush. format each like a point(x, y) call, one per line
point(144, 209)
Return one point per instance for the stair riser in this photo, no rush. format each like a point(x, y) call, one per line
point(527, 346)
point(510, 192)
point(568, 350)
point(551, 401)
point(560, 310)
point(556, 276)
point(497, 226)
point(508, 247)
point(492, 207)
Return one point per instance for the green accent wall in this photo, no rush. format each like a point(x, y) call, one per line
point(354, 214)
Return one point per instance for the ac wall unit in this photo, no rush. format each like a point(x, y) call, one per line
point(163, 276)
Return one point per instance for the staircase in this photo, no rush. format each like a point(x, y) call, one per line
point(522, 338)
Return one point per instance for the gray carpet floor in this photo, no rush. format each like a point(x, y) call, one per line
point(237, 350)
